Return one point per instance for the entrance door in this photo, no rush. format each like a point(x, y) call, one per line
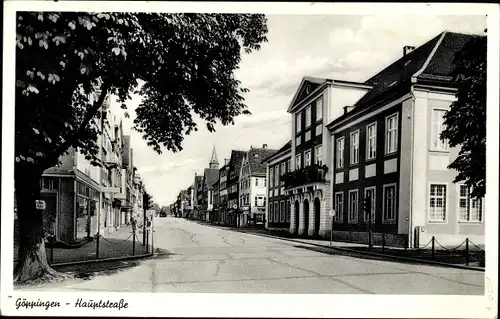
point(296, 217)
point(316, 216)
point(306, 217)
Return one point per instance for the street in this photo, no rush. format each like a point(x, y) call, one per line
point(199, 258)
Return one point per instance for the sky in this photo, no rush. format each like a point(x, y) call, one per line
point(335, 46)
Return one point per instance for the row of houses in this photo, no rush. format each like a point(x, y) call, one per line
point(350, 141)
point(83, 200)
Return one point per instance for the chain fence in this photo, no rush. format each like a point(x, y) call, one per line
point(121, 243)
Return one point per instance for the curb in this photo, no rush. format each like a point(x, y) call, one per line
point(82, 262)
point(420, 261)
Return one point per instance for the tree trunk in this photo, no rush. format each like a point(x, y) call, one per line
point(32, 265)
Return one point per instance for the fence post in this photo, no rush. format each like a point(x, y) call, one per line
point(133, 243)
point(53, 240)
point(97, 246)
point(467, 252)
point(433, 240)
point(383, 242)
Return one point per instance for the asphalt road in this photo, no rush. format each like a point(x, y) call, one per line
point(200, 258)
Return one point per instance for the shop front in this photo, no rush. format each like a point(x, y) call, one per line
point(86, 206)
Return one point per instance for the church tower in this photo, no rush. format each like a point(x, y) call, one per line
point(214, 163)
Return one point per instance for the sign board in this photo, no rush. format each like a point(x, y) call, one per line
point(235, 206)
point(331, 213)
point(40, 204)
point(110, 190)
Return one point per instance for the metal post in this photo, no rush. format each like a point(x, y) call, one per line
point(97, 246)
point(370, 243)
point(52, 249)
point(147, 240)
point(383, 242)
point(133, 242)
point(144, 227)
point(467, 251)
point(433, 240)
point(331, 231)
point(152, 236)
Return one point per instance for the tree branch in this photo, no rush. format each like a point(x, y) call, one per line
point(92, 111)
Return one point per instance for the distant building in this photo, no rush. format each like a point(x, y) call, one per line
point(278, 209)
point(253, 187)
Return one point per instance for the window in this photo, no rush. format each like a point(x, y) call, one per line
point(436, 129)
point(276, 175)
point(340, 153)
point(353, 206)
point(308, 116)
point(271, 177)
point(282, 211)
point(276, 212)
point(370, 193)
point(283, 171)
point(437, 203)
point(265, 182)
point(307, 158)
point(319, 108)
point(339, 207)
point(308, 136)
point(298, 140)
point(355, 147)
point(298, 122)
point(256, 202)
point(470, 210)
point(264, 201)
point(289, 165)
point(319, 158)
point(271, 212)
point(256, 182)
point(297, 161)
point(371, 141)
point(391, 129)
point(288, 209)
point(319, 130)
point(389, 206)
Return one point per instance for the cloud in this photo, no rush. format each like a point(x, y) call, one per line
point(341, 47)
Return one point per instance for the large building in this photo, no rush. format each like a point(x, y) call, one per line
point(387, 148)
point(210, 176)
point(84, 200)
point(233, 182)
point(253, 187)
point(278, 209)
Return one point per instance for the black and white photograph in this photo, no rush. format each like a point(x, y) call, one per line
point(250, 159)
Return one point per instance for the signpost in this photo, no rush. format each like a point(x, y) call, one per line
point(332, 215)
point(40, 204)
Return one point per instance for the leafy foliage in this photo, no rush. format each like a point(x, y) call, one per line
point(186, 62)
point(465, 122)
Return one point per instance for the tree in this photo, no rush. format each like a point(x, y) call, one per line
point(68, 63)
point(465, 122)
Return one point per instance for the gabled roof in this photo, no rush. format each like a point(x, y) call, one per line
point(255, 157)
point(431, 61)
point(211, 175)
point(283, 149)
point(307, 81)
point(235, 161)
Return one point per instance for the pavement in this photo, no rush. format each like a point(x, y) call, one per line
point(114, 245)
point(196, 258)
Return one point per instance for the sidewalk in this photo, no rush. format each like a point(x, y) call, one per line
point(448, 257)
point(115, 245)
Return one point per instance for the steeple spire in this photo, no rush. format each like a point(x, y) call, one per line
point(214, 163)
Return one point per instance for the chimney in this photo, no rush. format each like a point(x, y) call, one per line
point(407, 49)
point(226, 160)
point(264, 146)
point(348, 108)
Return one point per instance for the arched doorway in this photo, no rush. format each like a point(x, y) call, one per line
point(316, 216)
point(296, 217)
point(306, 217)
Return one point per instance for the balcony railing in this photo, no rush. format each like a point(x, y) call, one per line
point(307, 175)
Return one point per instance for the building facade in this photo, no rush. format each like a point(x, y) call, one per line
point(253, 187)
point(278, 209)
point(316, 102)
point(388, 149)
point(234, 215)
